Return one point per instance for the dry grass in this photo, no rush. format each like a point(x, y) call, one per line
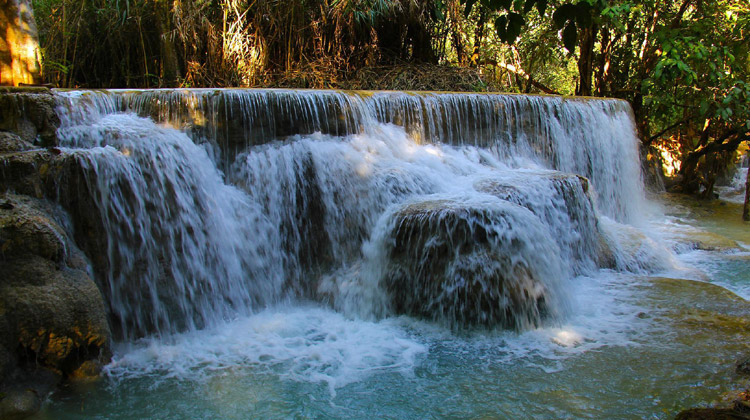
point(394, 77)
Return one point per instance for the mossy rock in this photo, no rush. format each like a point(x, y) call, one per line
point(52, 314)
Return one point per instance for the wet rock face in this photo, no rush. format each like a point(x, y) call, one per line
point(53, 321)
point(464, 265)
point(51, 313)
point(49, 173)
point(29, 113)
point(11, 142)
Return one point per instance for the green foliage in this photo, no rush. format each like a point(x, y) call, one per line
point(510, 20)
point(698, 63)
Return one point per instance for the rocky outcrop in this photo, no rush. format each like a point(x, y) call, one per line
point(11, 142)
point(52, 315)
point(740, 409)
point(53, 320)
point(30, 114)
point(711, 414)
point(468, 264)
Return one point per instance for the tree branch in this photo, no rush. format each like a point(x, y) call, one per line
point(666, 130)
point(718, 145)
point(519, 72)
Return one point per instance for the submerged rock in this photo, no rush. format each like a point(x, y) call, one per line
point(19, 404)
point(470, 264)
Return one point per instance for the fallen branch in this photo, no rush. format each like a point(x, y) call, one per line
point(519, 72)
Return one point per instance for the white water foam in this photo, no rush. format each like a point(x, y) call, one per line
point(735, 191)
point(300, 343)
point(317, 345)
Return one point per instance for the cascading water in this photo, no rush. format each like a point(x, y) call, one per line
point(282, 253)
point(181, 244)
point(294, 215)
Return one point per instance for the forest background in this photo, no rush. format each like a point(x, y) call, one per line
point(682, 65)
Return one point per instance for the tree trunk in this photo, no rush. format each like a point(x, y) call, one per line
point(478, 37)
point(170, 70)
point(19, 45)
point(454, 11)
point(586, 61)
point(605, 61)
point(727, 142)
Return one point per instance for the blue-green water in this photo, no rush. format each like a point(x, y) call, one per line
point(633, 347)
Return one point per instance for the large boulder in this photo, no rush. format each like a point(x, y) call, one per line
point(52, 315)
point(470, 263)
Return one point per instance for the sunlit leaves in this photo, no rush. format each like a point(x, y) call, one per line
point(469, 4)
point(699, 72)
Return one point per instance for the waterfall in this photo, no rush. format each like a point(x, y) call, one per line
point(469, 209)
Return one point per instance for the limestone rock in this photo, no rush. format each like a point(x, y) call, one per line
point(24, 230)
point(25, 172)
point(30, 113)
point(11, 142)
point(563, 202)
point(710, 414)
point(52, 315)
point(53, 321)
point(466, 265)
